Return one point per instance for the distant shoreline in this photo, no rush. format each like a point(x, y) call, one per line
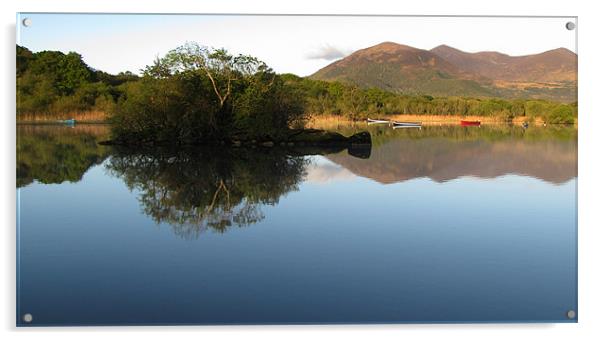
point(316, 121)
point(90, 117)
point(323, 121)
point(56, 122)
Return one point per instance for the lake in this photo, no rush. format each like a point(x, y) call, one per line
point(439, 224)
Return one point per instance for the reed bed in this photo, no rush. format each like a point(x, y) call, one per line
point(85, 116)
point(325, 122)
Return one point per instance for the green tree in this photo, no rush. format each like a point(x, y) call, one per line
point(196, 94)
point(51, 82)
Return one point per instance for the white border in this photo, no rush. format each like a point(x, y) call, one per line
point(590, 121)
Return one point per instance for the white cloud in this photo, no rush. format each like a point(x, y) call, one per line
point(327, 172)
point(327, 52)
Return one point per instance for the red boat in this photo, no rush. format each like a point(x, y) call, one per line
point(470, 123)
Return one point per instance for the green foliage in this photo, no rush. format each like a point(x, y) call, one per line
point(177, 108)
point(562, 114)
point(51, 82)
point(334, 98)
point(24, 56)
point(266, 107)
point(387, 76)
point(195, 94)
point(114, 80)
point(86, 96)
point(66, 71)
point(35, 94)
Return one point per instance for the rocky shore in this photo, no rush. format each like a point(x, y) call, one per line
point(292, 138)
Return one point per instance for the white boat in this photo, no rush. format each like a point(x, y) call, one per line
point(378, 121)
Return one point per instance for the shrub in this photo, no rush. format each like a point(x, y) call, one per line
point(195, 93)
point(562, 114)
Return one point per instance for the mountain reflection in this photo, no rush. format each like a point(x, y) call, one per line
point(199, 189)
point(446, 153)
point(53, 154)
point(208, 188)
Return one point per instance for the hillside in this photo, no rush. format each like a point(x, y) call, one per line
point(400, 68)
point(446, 71)
point(559, 65)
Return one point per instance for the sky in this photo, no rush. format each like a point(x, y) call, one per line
point(289, 44)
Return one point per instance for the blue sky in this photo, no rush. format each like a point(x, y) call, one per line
point(296, 44)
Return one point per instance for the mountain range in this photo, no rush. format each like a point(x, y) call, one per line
point(443, 160)
point(447, 71)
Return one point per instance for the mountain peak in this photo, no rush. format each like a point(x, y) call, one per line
point(561, 51)
point(447, 71)
point(444, 47)
point(395, 55)
point(387, 46)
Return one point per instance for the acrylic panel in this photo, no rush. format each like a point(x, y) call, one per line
point(295, 169)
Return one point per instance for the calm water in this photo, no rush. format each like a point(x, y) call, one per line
point(442, 224)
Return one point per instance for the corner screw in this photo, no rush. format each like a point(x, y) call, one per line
point(570, 26)
point(27, 318)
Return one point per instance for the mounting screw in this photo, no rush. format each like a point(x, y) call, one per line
point(27, 318)
point(571, 314)
point(570, 26)
point(26, 22)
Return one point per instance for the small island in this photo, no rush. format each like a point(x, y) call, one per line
point(195, 95)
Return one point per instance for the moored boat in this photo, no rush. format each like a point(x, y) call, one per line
point(406, 124)
point(470, 123)
point(377, 121)
point(67, 121)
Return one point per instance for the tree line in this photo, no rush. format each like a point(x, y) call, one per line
point(335, 98)
point(196, 92)
point(51, 82)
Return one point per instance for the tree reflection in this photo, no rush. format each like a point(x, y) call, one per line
point(201, 189)
point(53, 154)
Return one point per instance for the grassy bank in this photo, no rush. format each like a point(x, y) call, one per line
point(330, 121)
point(80, 117)
point(315, 122)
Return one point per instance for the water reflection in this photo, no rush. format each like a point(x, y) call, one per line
point(351, 249)
point(446, 153)
point(208, 188)
point(200, 189)
point(54, 154)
